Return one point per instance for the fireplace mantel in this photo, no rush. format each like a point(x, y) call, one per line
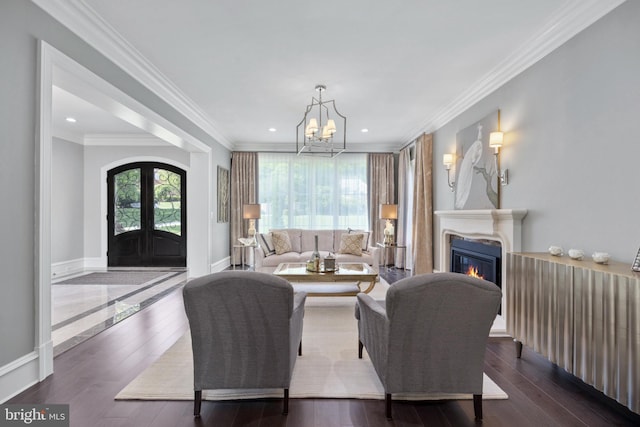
point(501, 225)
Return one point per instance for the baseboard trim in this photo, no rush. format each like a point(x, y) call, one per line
point(221, 265)
point(67, 268)
point(76, 267)
point(18, 376)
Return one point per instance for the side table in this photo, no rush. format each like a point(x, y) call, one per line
point(242, 254)
point(387, 246)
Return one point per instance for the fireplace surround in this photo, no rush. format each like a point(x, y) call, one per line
point(503, 226)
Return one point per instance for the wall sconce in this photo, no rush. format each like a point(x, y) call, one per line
point(495, 141)
point(447, 161)
point(251, 212)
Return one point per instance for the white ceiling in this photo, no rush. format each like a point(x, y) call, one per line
point(397, 68)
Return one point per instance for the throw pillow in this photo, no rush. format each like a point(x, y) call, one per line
point(281, 242)
point(265, 242)
point(365, 238)
point(351, 244)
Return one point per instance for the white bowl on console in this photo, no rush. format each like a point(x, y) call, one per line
point(555, 250)
point(601, 257)
point(576, 254)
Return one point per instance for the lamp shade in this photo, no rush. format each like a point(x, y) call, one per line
point(495, 139)
point(447, 159)
point(312, 126)
point(331, 126)
point(251, 211)
point(389, 211)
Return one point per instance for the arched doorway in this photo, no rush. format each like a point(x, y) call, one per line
point(147, 215)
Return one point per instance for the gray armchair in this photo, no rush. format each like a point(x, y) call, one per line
point(246, 328)
point(430, 335)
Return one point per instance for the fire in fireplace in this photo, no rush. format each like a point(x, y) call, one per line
point(478, 258)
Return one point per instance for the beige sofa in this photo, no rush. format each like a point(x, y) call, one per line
point(302, 246)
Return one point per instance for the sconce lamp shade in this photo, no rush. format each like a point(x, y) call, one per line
point(447, 159)
point(389, 211)
point(495, 139)
point(251, 211)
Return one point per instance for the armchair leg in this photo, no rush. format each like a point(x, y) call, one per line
point(388, 405)
point(360, 345)
point(518, 348)
point(300, 348)
point(197, 403)
point(285, 404)
point(477, 406)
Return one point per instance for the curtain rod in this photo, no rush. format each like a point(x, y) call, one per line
point(409, 144)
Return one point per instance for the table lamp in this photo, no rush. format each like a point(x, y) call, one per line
point(388, 212)
point(251, 212)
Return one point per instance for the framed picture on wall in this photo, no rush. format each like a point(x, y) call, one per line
point(224, 191)
point(476, 175)
point(636, 262)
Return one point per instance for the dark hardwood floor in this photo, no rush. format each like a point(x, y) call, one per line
point(88, 376)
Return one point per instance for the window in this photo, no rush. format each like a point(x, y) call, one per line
point(313, 192)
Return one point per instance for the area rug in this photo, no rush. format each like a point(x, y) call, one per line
point(328, 368)
point(117, 278)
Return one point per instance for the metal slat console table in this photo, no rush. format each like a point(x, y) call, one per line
point(582, 316)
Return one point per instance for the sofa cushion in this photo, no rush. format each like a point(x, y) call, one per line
point(365, 239)
point(274, 260)
point(266, 243)
point(325, 240)
point(351, 244)
point(294, 237)
point(281, 242)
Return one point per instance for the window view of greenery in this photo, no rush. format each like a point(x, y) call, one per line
point(127, 201)
point(166, 198)
point(167, 203)
point(312, 192)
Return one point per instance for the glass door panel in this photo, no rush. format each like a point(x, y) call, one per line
point(127, 201)
point(167, 210)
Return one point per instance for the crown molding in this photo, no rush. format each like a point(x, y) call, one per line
point(572, 18)
point(122, 139)
point(82, 20)
point(67, 135)
point(282, 147)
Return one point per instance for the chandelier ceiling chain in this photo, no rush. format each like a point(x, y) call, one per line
point(316, 133)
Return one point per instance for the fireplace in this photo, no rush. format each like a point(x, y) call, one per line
point(503, 226)
point(479, 258)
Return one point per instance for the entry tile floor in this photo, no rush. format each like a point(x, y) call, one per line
point(82, 311)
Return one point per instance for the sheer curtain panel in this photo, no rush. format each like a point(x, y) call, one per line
point(313, 192)
point(405, 207)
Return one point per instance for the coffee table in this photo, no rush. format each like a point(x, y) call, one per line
point(345, 281)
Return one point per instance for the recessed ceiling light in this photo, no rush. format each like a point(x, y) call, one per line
point(70, 119)
point(365, 130)
point(272, 129)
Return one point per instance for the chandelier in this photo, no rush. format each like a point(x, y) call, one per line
point(318, 133)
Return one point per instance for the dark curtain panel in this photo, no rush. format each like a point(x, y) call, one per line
point(422, 237)
point(244, 190)
point(381, 191)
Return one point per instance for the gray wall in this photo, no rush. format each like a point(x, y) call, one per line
point(220, 246)
point(572, 147)
point(22, 24)
point(67, 196)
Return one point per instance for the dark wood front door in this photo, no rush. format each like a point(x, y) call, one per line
point(147, 215)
